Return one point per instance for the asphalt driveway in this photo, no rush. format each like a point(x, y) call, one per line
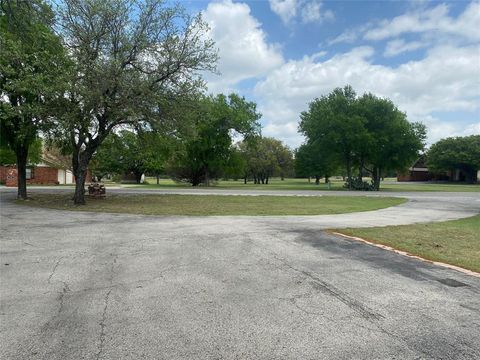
point(104, 286)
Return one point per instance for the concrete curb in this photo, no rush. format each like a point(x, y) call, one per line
point(404, 253)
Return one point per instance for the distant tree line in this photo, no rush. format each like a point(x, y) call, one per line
point(117, 85)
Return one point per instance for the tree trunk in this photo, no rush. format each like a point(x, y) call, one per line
point(22, 155)
point(326, 179)
point(80, 162)
point(207, 178)
point(309, 180)
point(245, 180)
point(196, 179)
point(138, 177)
point(158, 179)
point(376, 176)
point(349, 173)
point(266, 180)
point(80, 176)
point(317, 179)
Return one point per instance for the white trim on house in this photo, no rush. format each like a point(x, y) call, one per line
point(418, 169)
point(65, 177)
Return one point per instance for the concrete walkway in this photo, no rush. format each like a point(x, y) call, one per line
point(80, 285)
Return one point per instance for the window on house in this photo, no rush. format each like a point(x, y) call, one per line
point(29, 173)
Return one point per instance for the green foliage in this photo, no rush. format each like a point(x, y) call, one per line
point(132, 61)
point(129, 152)
point(392, 142)
point(32, 68)
point(367, 133)
point(357, 183)
point(311, 162)
point(334, 126)
point(265, 157)
point(206, 150)
point(456, 153)
point(8, 157)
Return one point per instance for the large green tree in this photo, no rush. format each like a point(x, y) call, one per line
point(456, 153)
point(368, 133)
point(32, 68)
point(392, 143)
point(132, 61)
point(207, 145)
point(333, 124)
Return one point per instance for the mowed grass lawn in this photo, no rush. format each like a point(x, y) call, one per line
point(217, 204)
point(454, 242)
point(303, 184)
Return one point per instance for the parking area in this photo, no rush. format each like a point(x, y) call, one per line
point(80, 285)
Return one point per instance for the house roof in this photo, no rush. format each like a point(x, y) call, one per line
point(420, 163)
point(53, 158)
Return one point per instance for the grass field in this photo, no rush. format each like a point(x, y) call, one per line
point(454, 242)
point(303, 184)
point(216, 205)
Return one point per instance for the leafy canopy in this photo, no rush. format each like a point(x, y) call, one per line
point(456, 153)
point(367, 133)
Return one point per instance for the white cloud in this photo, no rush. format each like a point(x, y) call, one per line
point(399, 46)
point(310, 11)
point(348, 36)
point(434, 19)
point(433, 25)
point(286, 132)
point(243, 47)
point(446, 80)
point(286, 9)
point(438, 129)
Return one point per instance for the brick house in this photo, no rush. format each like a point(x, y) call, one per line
point(52, 170)
point(420, 172)
point(417, 172)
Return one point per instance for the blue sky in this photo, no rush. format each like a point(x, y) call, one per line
point(424, 55)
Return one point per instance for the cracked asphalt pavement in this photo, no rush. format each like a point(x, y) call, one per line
point(79, 285)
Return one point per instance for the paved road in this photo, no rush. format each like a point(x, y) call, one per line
point(104, 286)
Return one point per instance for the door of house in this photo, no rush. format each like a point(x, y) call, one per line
point(61, 176)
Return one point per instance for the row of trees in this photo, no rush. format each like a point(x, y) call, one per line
point(357, 135)
point(118, 85)
point(193, 159)
point(108, 64)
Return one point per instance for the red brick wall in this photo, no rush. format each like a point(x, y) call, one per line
point(3, 174)
point(41, 175)
point(44, 175)
point(415, 176)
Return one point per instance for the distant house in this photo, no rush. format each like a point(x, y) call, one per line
point(52, 170)
point(417, 172)
point(420, 172)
